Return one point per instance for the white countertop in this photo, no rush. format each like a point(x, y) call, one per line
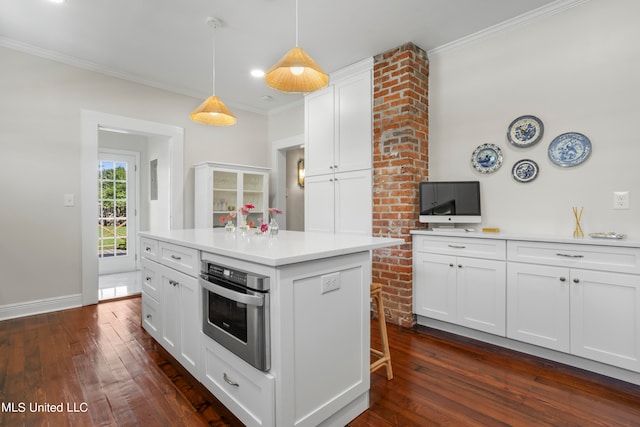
point(288, 247)
point(532, 238)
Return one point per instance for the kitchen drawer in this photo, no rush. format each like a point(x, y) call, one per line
point(246, 391)
point(179, 257)
point(461, 246)
point(149, 248)
point(594, 257)
point(151, 316)
point(151, 278)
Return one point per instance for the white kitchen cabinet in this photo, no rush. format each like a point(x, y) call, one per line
point(338, 146)
point(171, 300)
point(339, 203)
point(247, 392)
point(464, 290)
point(538, 305)
point(605, 317)
point(580, 299)
point(338, 123)
point(223, 188)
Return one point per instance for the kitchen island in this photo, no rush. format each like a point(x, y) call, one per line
point(318, 320)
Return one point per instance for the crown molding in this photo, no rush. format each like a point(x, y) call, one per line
point(92, 66)
point(509, 25)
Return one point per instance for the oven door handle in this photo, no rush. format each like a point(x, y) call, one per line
point(234, 296)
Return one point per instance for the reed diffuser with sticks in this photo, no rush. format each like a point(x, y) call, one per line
point(577, 214)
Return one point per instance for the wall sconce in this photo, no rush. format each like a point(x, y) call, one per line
point(301, 173)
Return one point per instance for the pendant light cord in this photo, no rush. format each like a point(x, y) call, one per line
point(212, 23)
point(297, 45)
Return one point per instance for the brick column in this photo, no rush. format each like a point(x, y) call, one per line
point(400, 162)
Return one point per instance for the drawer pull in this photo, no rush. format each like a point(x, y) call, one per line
point(177, 258)
point(457, 246)
point(563, 279)
point(149, 316)
point(173, 283)
point(147, 249)
point(148, 278)
point(569, 255)
point(228, 381)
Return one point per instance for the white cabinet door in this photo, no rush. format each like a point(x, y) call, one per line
point(481, 294)
point(434, 288)
point(353, 202)
point(319, 133)
point(180, 317)
point(354, 123)
point(538, 305)
point(319, 203)
point(605, 317)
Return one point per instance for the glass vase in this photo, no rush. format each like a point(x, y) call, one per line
point(273, 227)
point(230, 228)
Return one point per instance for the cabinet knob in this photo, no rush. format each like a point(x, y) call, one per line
point(335, 166)
point(149, 316)
point(576, 280)
point(147, 248)
point(331, 167)
point(148, 278)
point(459, 265)
point(563, 279)
point(451, 265)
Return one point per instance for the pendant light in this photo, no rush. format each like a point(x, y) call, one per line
point(296, 71)
point(213, 111)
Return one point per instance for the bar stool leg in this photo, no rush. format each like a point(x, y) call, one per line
point(384, 356)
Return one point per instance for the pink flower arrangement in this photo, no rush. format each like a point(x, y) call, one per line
point(246, 209)
point(229, 217)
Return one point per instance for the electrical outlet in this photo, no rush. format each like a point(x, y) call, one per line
point(620, 200)
point(69, 200)
point(329, 282)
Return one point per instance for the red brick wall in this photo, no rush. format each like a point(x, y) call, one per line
point(400, 162)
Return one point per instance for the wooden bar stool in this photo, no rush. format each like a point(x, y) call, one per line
point(384, 356)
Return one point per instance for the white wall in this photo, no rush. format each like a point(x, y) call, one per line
point(578, 71)
point(40, 147)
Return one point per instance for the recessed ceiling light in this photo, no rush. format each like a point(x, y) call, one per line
point(257, 73)
point(57, 1)
point(267, 98)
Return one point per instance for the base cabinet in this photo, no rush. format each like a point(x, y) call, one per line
point(171, 301)
point(247, 392)
point(578, 298)
point(466, 291)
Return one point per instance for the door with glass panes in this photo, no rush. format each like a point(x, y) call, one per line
point(117, 219)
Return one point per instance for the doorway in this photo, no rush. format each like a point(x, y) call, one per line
point(171, 138)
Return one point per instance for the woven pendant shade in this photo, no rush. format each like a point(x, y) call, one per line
point(296, 72)
point(213, 112)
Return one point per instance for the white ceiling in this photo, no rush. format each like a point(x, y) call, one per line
point(167, 43)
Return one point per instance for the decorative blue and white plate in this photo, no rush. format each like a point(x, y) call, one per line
point(525, 170)
point(569, 149)
point(525, 131)
point(487, 158)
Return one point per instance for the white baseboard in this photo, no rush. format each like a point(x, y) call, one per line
point(29, 308)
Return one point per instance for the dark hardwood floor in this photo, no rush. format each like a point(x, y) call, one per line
point(106, 371)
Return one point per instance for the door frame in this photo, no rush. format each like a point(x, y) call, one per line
point(92, 122)
point(278, 174)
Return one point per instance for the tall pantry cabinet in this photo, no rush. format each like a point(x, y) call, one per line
point(338, 141)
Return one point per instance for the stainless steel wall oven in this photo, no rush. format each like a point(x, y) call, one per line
point(235, 312)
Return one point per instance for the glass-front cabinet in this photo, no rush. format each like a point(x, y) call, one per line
point(221, 189)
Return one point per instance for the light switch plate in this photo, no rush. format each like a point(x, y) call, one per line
point(69, 199)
